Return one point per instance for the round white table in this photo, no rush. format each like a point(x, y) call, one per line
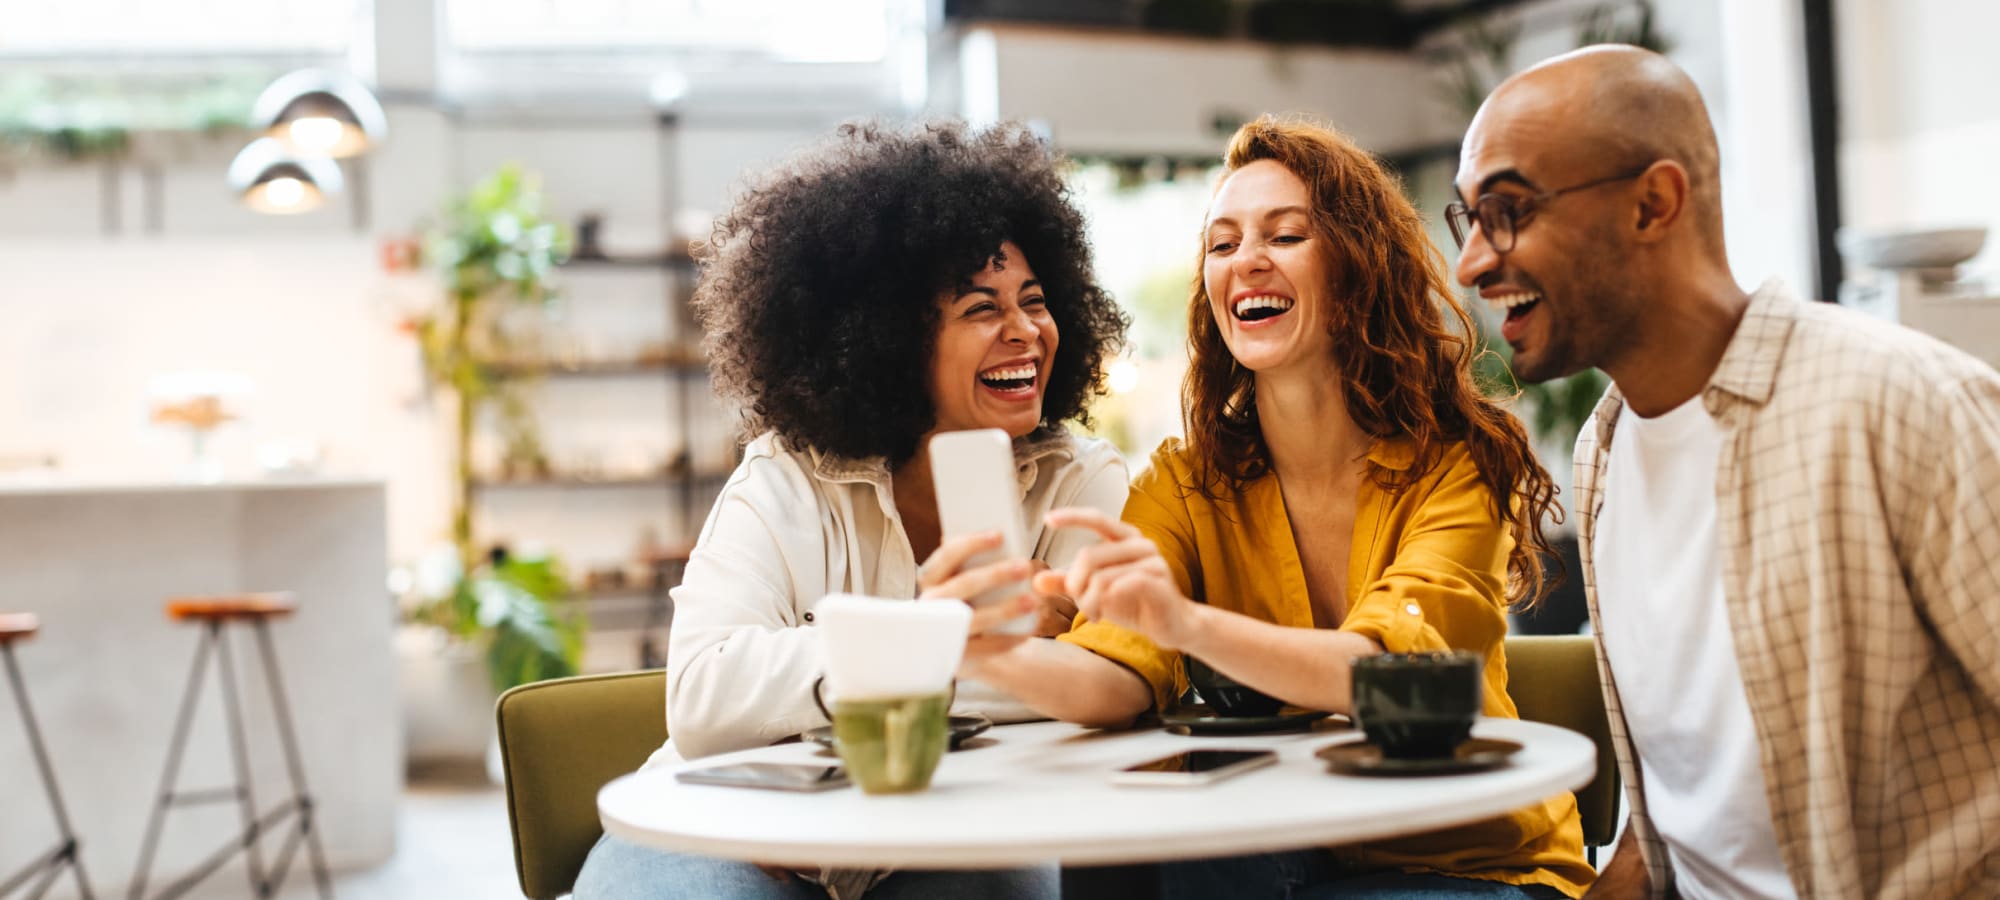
point(1042, 792)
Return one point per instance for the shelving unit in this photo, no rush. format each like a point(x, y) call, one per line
point(596, 368)
point(687, 478)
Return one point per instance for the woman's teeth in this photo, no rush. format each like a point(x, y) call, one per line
point(1013, 378)
point(1263, 306)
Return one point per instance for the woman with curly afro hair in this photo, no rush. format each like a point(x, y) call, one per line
point(881, 288)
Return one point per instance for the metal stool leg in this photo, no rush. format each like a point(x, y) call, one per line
point(239, 757)
point(264, 880)
point(65, 853)
point(165, 799)
point(294, 766)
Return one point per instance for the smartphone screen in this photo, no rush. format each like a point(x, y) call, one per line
point(770, 776)
point(1196, 767)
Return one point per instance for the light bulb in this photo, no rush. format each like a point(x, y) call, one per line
point(284, 192)
point(315, 134)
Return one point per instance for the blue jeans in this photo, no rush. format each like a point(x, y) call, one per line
point(618, 870)
point(1313, 875)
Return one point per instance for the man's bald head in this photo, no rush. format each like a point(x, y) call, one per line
point(1611, 107)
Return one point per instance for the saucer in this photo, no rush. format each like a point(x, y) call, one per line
point(963, 728)
point(1363, 758)
point(1201, 720)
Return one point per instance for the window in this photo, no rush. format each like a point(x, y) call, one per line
point(150, 27)
point(852, 31)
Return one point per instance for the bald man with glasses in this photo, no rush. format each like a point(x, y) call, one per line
point(1789, 513)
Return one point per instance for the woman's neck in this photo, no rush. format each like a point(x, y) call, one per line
point(1306, 426)
point(916, 502)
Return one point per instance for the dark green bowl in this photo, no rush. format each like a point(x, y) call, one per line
point(1225, 695)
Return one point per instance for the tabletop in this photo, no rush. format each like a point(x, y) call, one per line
point(1042, 792)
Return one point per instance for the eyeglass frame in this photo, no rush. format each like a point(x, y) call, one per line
point(1460, 216)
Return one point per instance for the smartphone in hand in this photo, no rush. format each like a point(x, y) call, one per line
point(1193, 768)
point(973, 475)
point(769, 776)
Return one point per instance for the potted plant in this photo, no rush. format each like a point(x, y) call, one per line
point(495, 252)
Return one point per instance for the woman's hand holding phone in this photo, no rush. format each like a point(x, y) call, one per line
point(944, 576)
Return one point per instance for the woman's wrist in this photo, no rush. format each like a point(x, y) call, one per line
point(1198, 629)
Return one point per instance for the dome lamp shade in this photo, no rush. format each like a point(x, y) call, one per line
point(320, 112)
point(270, 179)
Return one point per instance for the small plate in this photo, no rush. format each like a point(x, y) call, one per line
point(1201, 720)
point(963, 728)
point(1363, 758)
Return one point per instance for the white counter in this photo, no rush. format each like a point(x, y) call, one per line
point(96, 562)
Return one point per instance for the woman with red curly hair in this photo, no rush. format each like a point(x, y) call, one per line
point(1344, 489)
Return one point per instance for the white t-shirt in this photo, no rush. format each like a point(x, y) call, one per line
point(1666, 632)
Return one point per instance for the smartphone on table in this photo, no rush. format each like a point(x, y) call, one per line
point(973, 475)
point(770, 776)
point(1193, 768)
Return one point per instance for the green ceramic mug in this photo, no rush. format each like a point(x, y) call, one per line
point(1418, 705)
point(890, 745)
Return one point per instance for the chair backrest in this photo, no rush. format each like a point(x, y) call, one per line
point(1553, 679)
point(560, 741)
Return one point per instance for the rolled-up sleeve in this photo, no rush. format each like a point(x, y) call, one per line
point(1446, 588)
point(1153, 506)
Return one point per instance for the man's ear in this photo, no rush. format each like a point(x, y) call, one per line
point(1663, 197)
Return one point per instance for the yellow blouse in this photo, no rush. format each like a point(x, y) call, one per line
point(1427, 571)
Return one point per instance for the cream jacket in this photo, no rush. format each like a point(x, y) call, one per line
point(792, 526)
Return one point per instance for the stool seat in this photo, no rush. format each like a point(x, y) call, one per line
point(16, 626)
point(231, 607)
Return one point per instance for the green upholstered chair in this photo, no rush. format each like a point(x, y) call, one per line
point(1553, 679)
point(560, 741)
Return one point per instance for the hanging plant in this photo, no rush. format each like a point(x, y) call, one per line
point(70, 118)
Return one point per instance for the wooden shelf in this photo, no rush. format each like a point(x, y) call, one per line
point(597, 368)
point(676, 261)
point(573, 481)
point(617, 595)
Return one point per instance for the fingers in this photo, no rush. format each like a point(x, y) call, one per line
point(1106, 527)
point(1099, 556)
point(1140, 596)
point(1054, 614)
point(1119, 594)
point(951, 555)
point(971, 583)
point(989, 616)
point(1051, 582)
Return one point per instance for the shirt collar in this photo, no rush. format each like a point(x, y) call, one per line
point(1396, 453)
point(1028, 451)
point(1749, 365)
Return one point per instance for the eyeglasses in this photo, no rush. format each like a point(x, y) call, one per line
point(1501, 215)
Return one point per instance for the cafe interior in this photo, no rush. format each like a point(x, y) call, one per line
point(353, 381)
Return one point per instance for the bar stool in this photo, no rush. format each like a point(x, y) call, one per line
point(20, 627)
point(212, 613)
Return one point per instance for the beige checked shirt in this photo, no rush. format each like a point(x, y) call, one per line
point(1860, 544)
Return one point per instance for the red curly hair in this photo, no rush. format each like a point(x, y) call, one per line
point(1408, 352)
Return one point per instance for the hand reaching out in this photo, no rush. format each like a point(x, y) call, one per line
point(1124, 581)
